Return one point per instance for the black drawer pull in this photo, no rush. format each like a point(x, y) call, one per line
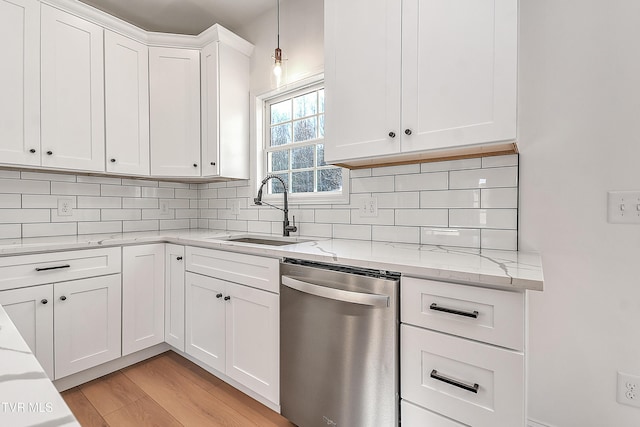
point(57, 267)
point(473, 313)
point(179, 258)
point(227, 298)
point(472, 388)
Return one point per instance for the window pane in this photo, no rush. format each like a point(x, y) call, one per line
point(302, 182)
point(280, 135)
point(330, 179)
point(275, 186)
point(321, 100)
point(321, 155)
point(302, 157)
point(321, 126)
point(305, 105)
point(304, 130)
point(279, 161)
point(281, 112)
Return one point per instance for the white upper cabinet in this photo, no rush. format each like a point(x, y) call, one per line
point(126, 65)
point(225, 111)
point(436, 74)
point(174, 90)
point(20, 82)
point(72, 92)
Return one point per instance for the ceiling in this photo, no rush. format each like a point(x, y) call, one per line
point(183, 16)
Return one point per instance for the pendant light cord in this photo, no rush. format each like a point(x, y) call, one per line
point(278, 8)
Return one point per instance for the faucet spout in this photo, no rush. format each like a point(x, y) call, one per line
point(286, 228)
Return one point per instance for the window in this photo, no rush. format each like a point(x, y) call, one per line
point(294, 149)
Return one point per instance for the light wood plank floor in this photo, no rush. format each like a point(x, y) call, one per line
point(167, 390)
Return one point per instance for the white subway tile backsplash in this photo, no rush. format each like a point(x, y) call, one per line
point(137, 202)
point(77, 215)
point(349, 231)
point(484, 218)
point(181, 193)
point(227, 193)
point(359, 173)
point(160, 193)
point(10, 201)
point(156, 214)
point(450, 199)
point(22, 216)
point(315, 230)
point(99, 202)
point(121, 214)
point(451, 165)
point(499, 239)
point(209, 193)
point(259, 227)
point(139, 182)
point(468, 238)
point(385, 233)
point(484, 178)
point(74, 189)
point(499, 198)
point(48, 176)
point(174, 224)
point(169, 184)
point(15, 186)
point(376, 184)
point(9, 174)
point(396, 170)
point(120, 191)
point(401, 200)
point(236, 225)
point(186, 213)
point(333, 216)
point(500, 161)
point(422, 217)
point(422, 181)
point(100, 227)
point(269, 215)
point(99, 180)
point(30, 201)
point(149, 225)
point(10, 231)
point(49, 229)
point(384, 217)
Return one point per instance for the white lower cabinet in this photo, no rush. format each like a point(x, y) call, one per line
point(234, 329)
point(31, 310)
point(142, 297)
point(174, 296)
point(414, 415)
point(87, 322)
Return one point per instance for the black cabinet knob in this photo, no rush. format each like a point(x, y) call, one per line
point(49, 152)
point(195, 165)
point(392, 134)
point(63, 298)
point(219, 296)
point(113, 160)
point(179, 258)
point(44, 301)
point(33, 150)
point(407, 131)
point(227, 298)
point(213, 163)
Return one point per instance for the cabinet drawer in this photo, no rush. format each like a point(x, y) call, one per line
point(250, 270)
point(441, 372)
point(487, 315)
point(415, 416)
point(27, 270)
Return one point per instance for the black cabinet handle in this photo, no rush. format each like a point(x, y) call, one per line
point(392, 134)
point(113, 160)
point(63, 298)
point(49, 152)
point(227, 298)
point(219, 296)
point(44, 301)
point(213, 163)
point(407, 131)
point(179, 258)
point(473, 313)
point(195, 165)
point(472, 388)
point(57, 267)
point(33, 150)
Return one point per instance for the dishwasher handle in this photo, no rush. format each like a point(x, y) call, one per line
point(373, 300)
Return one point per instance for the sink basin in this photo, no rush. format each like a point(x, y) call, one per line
point(266, 240)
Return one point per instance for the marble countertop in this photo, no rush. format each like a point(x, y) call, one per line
point(27, 396)
point(501, 269)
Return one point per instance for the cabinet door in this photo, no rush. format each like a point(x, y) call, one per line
point(459, 68)
point(253, 340)
point(174, 296)
point(31, 310)
point(225, 112)
point(174, 91)
point(126, 74)
point(205, 320)
point(72, 92)
point(87, 321)
point(20, 82)
point(362, 78)
point(142, 297)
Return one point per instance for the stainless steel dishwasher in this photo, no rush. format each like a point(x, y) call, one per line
point(338, 345)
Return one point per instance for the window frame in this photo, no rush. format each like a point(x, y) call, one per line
point(264, 123)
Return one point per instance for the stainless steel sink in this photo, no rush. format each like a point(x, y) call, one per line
point(265, 240)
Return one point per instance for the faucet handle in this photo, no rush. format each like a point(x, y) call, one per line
point(293, 227)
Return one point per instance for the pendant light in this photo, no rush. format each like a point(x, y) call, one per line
point(278, 74)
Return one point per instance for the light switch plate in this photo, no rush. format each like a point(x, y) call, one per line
point(369, 207)
point(623, 207)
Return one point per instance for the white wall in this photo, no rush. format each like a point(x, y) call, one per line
point(579, 121)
